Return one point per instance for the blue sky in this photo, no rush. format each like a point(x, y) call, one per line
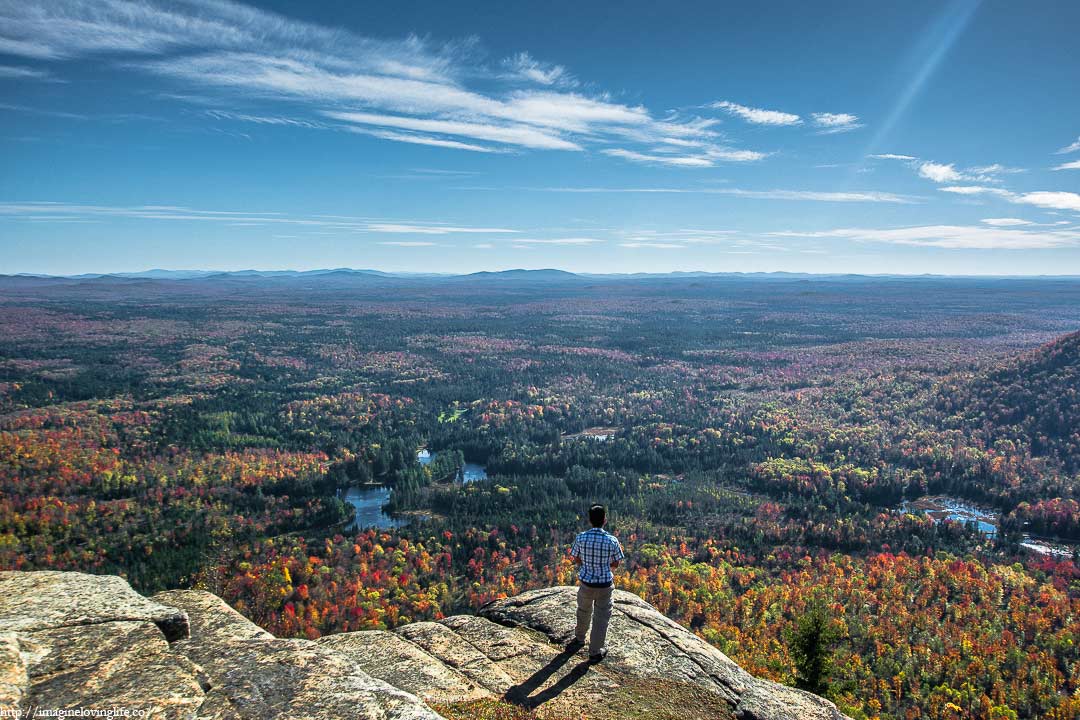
point(917, 137)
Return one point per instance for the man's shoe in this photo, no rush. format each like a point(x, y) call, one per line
point(598, 656)
point(576, 643)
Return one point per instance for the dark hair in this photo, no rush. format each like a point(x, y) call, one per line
point(597, 515)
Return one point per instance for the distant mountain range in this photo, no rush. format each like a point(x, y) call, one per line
point(160, 274)
point(518, 275)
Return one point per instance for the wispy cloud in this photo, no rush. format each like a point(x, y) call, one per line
point(826, 123)
point(420, 139)
point(442, 172)
point(559, 241)
point(432, 229)
point(522, 135)
point(1006, 222)
point(1074, 165)
point(1071, 147)
point(833, 123)
point(687, 236)
point(709, 158)
point(954, 237)
point(1054, 200)
point(822, 196)
point(676, 160)
point(984, 171)
point(653, 245)
point(407, 90)
point(265, 119)
point(948, 172)
point(757, 116)
point(815, 195)
point(408, 243)
point(941, 172)
point(19, 71)
point(44, 211)
point(974, 190)
point(42, 111)
point(1049, 199)
point(525, 67)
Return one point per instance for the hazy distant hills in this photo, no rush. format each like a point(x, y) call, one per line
point(549, 275)
point(160, 274)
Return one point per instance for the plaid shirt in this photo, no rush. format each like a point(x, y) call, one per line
point(597, 549)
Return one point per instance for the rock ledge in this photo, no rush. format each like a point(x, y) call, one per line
point(69, 640)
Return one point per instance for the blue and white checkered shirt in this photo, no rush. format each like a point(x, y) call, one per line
point(597, 549)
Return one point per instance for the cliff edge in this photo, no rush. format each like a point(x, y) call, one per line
point(69, 640)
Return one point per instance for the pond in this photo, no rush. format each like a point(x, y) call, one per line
point(941, 508)
point(368, 502)
point(470, 472)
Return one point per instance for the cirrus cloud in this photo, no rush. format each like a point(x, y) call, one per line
point(559, 241)
point(406, 90)
point(653, 245)
point(1006, 222)
point(757, 116)
point(833, 123)
point(1072, 147)
point(524, 66)
point(1049, 199)
point(953, 237)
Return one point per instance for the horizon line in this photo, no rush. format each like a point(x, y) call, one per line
point(202, 274)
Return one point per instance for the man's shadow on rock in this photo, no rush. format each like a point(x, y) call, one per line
point(522, 693)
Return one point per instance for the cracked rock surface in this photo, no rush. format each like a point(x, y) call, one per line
point(646, 645)
point(69, 640)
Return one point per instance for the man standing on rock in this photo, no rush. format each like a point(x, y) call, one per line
point(596, 552)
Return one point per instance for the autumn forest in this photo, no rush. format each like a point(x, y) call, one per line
point(355, 450)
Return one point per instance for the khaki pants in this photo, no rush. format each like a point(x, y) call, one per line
point(595, 603)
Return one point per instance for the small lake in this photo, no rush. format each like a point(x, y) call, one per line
point(941, 508)
point(470, 472)
point(368, 502)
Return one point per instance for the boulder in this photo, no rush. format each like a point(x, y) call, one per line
point(211, 617)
